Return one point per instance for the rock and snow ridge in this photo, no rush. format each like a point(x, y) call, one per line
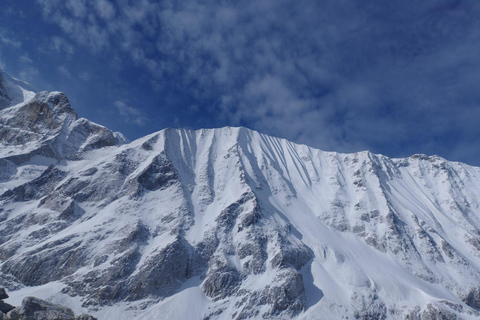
point(41, 128)
point(37, 309)
point(229, 223)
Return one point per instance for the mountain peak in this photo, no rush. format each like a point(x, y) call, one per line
point(45, 124)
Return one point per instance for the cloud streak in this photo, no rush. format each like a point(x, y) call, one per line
point(8, 40)
point(131, 114)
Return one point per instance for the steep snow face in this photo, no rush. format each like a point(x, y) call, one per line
point(230, 223)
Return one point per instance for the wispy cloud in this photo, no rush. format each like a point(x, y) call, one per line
point(131, 114)
point(28, 73)
point(85, 76)
point(60, 45)
point(77, 20)
point(27, 70)
point(77, 7)
point(25, 59)
point(8, 40)
point(64, 72)
point(105, 9)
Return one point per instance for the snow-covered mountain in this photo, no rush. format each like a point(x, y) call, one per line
point(227, 223)
point(39, 129)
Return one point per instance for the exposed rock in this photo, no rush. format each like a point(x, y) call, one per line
point(5, 307)
point(46, 111)
point(37, 188)
point(3, 294)
point(436, 313)
point(10, 282)
point(37, 309)
point(46, 125)
point(287, 298)
point(222, 282)
point(7, 169)
point(367, 305)
point(163, 273)
point(472, 299)
point(256, 248)
point(159, 174)
point(85, 317)
point(292, 256)
point(45, 265)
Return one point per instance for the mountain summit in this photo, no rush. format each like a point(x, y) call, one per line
point(229, 223)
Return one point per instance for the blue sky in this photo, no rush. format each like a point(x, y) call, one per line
point(393, 77)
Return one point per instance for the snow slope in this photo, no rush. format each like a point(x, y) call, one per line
point(230, 223)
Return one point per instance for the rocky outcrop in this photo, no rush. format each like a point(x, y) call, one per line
point(37, 188)
point(441, 310)
point(472, 299)
point(159, 174)
point(4, 307)
point(3, 294)
point(37, 309)
point(34, 308)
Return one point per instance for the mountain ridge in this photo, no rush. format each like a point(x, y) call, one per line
point(236, 224)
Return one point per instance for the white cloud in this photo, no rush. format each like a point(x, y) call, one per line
point(9, 41)
point(28, 73)
point(25, 59)
point(77, 7)
point(64, 72)
point(85, 76)
point(59, 44)
point(131, 114)
point(49, 7)
point(105, 9)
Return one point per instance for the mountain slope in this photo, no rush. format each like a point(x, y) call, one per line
point(38, 129)
point(230, 223)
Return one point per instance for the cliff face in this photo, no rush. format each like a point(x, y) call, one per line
point(229, 223)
